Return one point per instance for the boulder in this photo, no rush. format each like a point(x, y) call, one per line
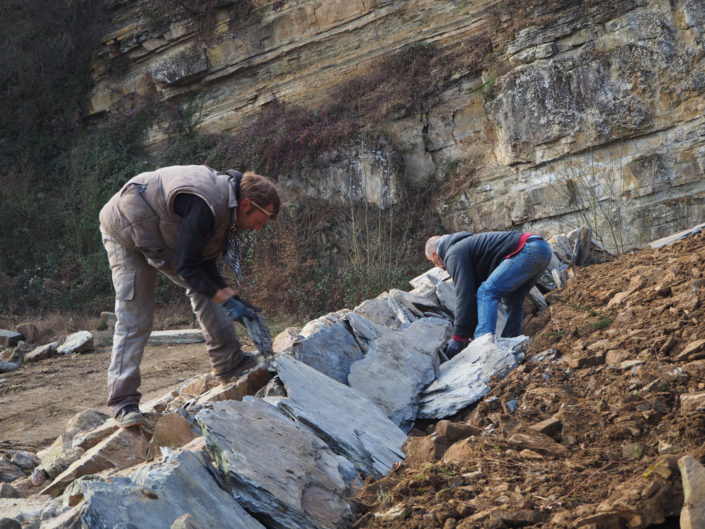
point(278, 470)
point(122, 449)
point(173, 430)
point(365, 330)
point(398, 366)
point(42, 352)
point(156, 495)
point(78, 342)
point(328, 347)
point(350, 424)
point(384, 310)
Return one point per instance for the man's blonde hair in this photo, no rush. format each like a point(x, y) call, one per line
point(432, 245)
point(260, 190)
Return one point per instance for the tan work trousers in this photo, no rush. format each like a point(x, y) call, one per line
point(134, 280)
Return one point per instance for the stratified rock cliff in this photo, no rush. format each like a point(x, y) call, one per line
point(555, 113)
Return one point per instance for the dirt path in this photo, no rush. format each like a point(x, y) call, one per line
point(37, 400)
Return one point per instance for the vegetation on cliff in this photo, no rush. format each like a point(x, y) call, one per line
point(59, 169)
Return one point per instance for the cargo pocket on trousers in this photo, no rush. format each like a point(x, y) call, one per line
point(124, 283)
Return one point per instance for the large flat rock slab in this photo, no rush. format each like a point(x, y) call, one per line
point(351, 424)
point(157, 494)
point(365, 331)
point(398, 366)
point(278, 469)
point(329, 347)
point(176, 336)
point(386, 311)
point(464, 379)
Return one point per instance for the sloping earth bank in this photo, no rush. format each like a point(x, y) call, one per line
point(585, 433)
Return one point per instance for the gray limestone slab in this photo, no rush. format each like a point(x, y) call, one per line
point(176, 336)
point(278, 470)
point(445, 291)
point(665, 241)
point(365, 330)
point(399, 365)
point(313, 326)
point(430, 277)
point(78, 342)
point(464, 379)
point(419, 302)
point(384, 312)
point(156, 494)
point(351, 425)
point(329, 348)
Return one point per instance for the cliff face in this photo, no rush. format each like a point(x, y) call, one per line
point(564, 113)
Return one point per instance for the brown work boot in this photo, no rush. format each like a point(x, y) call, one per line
point(248, 362)
point(129, 416)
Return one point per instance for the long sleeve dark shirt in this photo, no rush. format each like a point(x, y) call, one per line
point(195, 230)
point(470, 259)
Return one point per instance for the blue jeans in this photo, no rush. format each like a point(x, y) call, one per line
point(510, 282)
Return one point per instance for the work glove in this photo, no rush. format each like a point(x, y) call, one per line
point(453, 348)
point(237, 308)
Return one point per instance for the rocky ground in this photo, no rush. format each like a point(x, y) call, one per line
point(585, 433)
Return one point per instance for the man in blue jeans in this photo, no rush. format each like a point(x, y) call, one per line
point(486, 268)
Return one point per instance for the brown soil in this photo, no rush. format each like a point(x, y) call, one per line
point(37, 400)
point(620, 426)
point(608, 374)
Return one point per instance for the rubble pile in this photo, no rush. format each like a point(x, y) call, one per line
point(596, 420)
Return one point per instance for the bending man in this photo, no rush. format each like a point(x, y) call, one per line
point(486, 268)
point(178, 220)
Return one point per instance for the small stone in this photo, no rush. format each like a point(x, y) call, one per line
point(692, 351)
point(693, 402)
point(632, 450)
point(666, 448)
point(8, 491)
point(398, 512)
point(581, 362)
point(551, 427)
point(23, 459)
point(38, 477)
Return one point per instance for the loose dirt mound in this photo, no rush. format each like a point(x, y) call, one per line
point(588, 430)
